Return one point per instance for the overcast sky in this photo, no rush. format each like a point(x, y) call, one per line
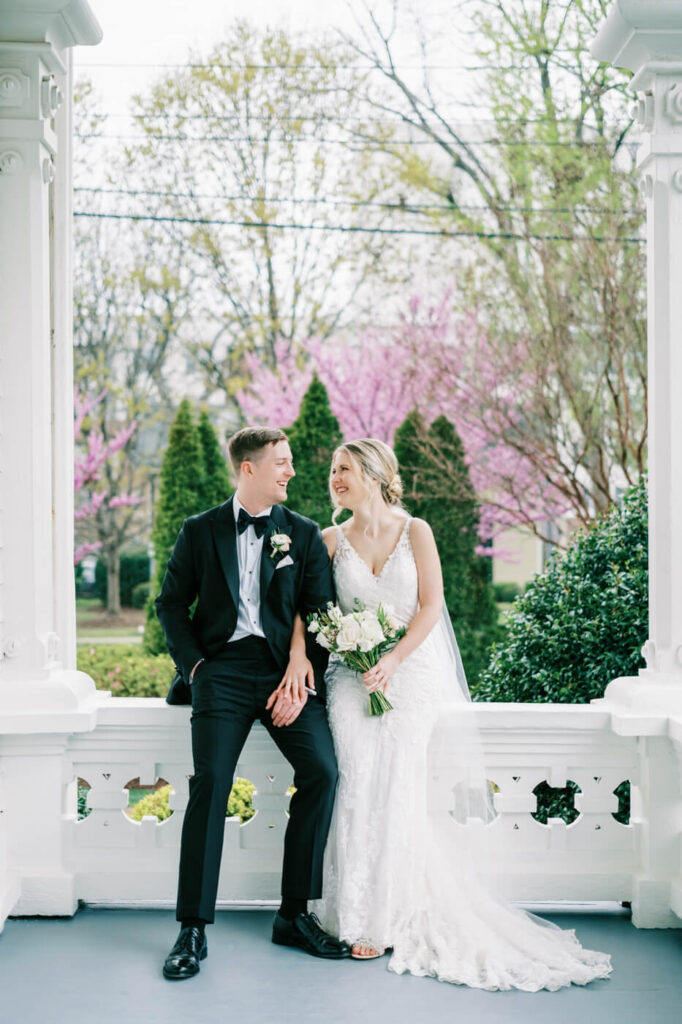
point(149, 32)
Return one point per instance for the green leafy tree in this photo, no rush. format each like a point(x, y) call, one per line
point(313, 436)
point(132, 292)
point(427, 456)
point(217, 485)
point(181, 494)
point(543, 187)
point(238, 147)
point(583, 621)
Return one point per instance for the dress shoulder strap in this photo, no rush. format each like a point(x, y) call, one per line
point(342, 542)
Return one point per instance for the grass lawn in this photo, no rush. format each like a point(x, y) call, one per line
point(93, 620)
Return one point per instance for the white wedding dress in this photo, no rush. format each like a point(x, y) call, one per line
point(387, 879)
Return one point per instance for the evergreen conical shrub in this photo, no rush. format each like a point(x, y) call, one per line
point(437, 488)
point(181, 494)
point(216, 486)
point(313, 436)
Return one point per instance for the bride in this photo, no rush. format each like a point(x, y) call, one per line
point(389, 883)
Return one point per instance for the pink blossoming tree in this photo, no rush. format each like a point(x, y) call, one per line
point(104, 508)
point(440, 365)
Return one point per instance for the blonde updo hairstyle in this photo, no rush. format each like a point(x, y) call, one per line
point(376, 461)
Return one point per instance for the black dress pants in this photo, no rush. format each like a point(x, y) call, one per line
point(229, 693)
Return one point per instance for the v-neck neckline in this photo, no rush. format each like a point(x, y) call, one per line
point(375, 575)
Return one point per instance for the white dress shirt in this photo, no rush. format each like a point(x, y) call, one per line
point(249, 555)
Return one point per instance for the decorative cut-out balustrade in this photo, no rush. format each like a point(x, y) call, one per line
point(544, 761)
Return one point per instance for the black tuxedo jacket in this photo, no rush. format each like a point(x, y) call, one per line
point(203, 566)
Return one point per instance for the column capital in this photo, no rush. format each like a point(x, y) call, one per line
point(639, 32)
point(61, 23)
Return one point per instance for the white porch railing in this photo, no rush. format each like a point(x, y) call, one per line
point(115, 859)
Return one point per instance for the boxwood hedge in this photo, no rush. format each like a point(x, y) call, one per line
point(581, 622)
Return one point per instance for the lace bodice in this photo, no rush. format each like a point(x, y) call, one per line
point(396, 585)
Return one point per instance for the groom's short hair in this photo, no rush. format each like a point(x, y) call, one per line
point(248, 443)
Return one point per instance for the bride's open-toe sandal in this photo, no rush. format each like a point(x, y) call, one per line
point(363, 949)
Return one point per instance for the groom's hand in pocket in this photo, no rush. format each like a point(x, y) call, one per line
point(289, 699)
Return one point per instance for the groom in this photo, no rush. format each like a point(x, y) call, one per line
point(251, 564)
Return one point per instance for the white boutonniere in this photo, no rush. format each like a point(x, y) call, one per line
point(280, 544)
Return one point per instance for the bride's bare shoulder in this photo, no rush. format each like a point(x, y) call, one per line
point(421, 534)
point(419, 528)
point(330, 538)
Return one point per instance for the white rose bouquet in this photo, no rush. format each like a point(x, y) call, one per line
point(360, 637)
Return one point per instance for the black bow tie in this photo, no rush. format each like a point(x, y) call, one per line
point(259, 523)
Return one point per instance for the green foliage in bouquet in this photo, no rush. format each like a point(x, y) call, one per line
point(583, 621)
point(126, 670)
point(313, 436)
point(360, 638)
point(437, 488)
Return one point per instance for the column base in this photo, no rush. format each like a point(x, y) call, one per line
point(37, 717)
point(46, 895)
point(653, 905)
point(10, 891)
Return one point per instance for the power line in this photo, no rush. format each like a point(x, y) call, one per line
point(404, 207)
point(349, 229)
point(190, 66)
point(323, 141)
point(145, 116)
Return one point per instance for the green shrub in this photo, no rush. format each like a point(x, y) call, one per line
point(583, 621)
point(134, 571)
point(83, 809)
point(181, 494)
point(155, 803)
point(139, 595)
point(127, 670)
point(313, 436)
point(216, 480)
point(505, 593)
point(560, 803)
point(239, 802)
point(133, 567)
point(101, 582)
point(428, 456)
point(556, 803)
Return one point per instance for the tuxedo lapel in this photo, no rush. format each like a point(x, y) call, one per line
point(225, 536)
point(268, 564)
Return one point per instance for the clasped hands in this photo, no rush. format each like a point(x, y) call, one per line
point(290, 697)
point(379, 676)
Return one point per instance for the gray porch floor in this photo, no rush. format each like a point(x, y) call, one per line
point(103, 967)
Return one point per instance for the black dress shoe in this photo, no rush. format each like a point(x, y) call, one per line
point(306, 933)
point(183, 959)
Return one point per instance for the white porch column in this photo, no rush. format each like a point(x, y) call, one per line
point(645, 36)
point(36, 386)
point(42, 697)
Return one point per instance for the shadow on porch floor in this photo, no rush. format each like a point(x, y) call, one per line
point(104, 967)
